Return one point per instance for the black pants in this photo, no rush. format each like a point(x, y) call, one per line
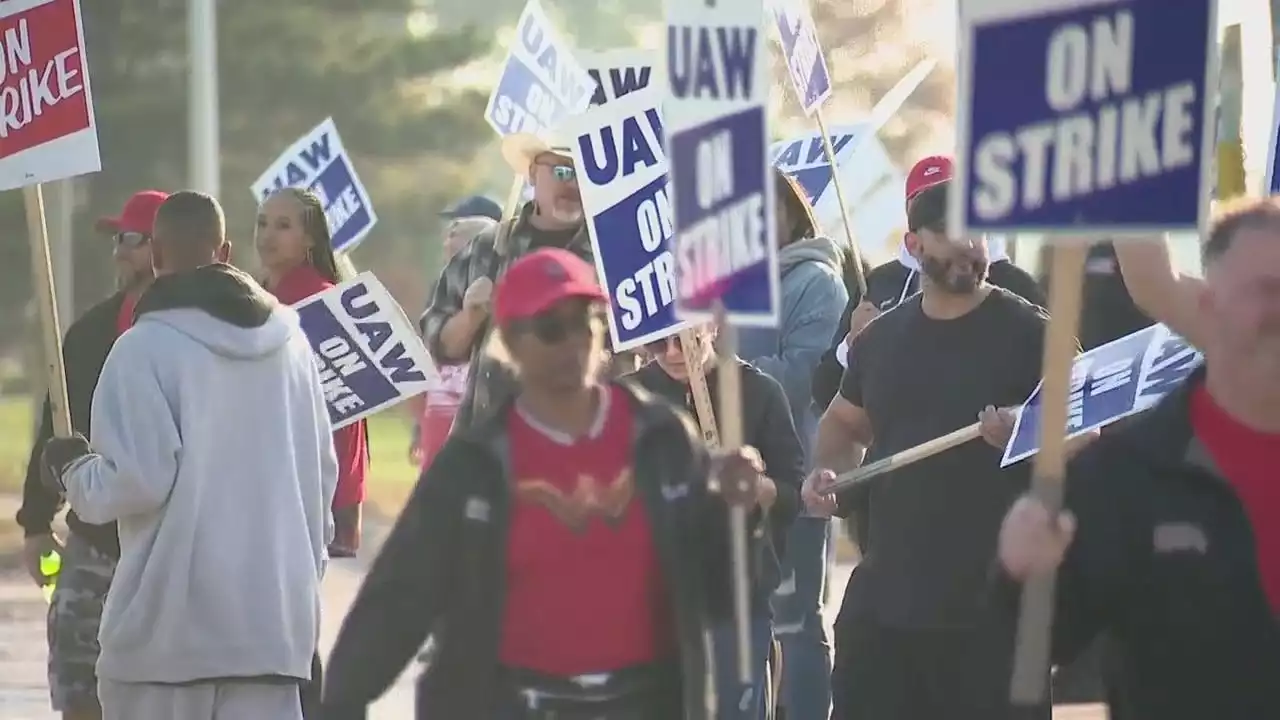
point(310, 691)
point(882, 673)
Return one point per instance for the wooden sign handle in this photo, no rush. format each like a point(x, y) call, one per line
point(1035, 621)
point(729, 375)
point(46, 301)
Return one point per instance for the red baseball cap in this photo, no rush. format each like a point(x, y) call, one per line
point(138, 215)
point(541, 279)
point(933, 170)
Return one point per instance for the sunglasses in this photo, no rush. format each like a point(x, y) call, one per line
point(555, 328)
point(560, 171)
point(658, 347)
point(131, 240)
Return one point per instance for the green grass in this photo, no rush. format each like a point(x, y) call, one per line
point(391, 474)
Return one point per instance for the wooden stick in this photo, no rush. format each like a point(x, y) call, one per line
point(703, 410)
point(1035, 621)
point(906, 457)
point(844, 211)
point(46, 300)
point(729, 376)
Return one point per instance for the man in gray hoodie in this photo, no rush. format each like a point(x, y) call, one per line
point(212, 448)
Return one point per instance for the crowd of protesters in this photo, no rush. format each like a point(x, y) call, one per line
point(566, 552)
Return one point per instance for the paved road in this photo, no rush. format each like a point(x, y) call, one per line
point(23, 695)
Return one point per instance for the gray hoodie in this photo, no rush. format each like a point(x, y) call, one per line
point(212, 448)
point(813, 298)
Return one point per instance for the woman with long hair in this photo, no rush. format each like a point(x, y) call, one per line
point(296, 251)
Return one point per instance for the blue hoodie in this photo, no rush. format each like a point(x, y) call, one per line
point(813, 296)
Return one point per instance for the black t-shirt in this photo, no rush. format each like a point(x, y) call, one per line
point(932, 525)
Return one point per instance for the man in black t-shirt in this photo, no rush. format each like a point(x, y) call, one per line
point(917, 637)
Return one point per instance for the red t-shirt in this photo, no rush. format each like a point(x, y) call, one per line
point(584, 589)
point(351, 443)
point(124, 319)
point(1248, 458)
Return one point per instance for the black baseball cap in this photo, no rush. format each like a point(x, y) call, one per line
point(475, 206)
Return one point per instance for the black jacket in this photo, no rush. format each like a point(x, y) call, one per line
point(1164, 561)
point(766, 426)
point(442, 570)
point(84, 352)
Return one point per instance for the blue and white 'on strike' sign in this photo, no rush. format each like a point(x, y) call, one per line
point(1110, 382)
point(1272, 179)
point(617, 73)
point(319, 162)
point(368, 353)
point(1085, 116)
point(721, 182)
point(803, 52)
point(541, 82)
point(622, 175)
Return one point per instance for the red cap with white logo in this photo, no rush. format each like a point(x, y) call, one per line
point(930, 171)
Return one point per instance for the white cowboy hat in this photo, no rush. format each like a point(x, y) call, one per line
point(520, 149)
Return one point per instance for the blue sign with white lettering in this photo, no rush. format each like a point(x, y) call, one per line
point(622, 175)
point(721, 181)
point(541, 82)
point(368, 354)
point(802, 51)
point(319, 162)
point(1110, 382)
point(805, 159)
point(1093, 118)
point(617, 73)
point(1272, 179)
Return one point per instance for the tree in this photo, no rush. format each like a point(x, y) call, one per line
point(283, 67)
point(869, 46)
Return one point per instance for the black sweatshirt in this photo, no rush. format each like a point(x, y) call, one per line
point(84, 352)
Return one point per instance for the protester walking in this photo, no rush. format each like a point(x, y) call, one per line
point(90, 552)
point(211, 447)
point(813, 296)
point(1170, 538)
point(434, 411)
point(457, 322)
point(767, 426)
point(296, 250)
point(568, 551)
point(916, 637)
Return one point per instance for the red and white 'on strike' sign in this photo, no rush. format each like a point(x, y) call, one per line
point(46, 111)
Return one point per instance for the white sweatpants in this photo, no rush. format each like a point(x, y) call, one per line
point(230, 700)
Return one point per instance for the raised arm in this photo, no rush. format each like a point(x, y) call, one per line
point(1159, 290)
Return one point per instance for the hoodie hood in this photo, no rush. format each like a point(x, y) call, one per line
point(221, 307)
point(815, 249)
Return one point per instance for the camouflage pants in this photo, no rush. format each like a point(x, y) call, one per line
point(74, 614)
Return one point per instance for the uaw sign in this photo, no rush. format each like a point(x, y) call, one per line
point(805, 159)
point(1110, 382)
point(622, 175)
point(806, 65)
point(319, 162)
point(617, 73)
point(47, 129)
point(368, 354)
point(1085, 116)
point(541, 82)
point(717, 150)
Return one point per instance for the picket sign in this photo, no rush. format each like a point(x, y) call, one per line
point(50, 135)
point(369, 355)
point(722, 204)
point(318, 161)
point(1048, 90)
point(1271, 181)
point(541, 81)
point(1109, 383)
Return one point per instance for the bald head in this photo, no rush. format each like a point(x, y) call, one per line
point(190, 232)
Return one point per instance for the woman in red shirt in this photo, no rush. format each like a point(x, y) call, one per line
point(294, 247)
